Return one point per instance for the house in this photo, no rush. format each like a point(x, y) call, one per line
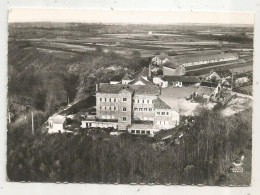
point(219, 76)
point(179, 81)
point(133, 108)
point(126, 79)
point(57, 124)
point(157, 80)
point(208, 90)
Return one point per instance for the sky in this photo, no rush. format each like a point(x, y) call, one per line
point(128, 16)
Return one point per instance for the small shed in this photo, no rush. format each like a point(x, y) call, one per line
point(57, 124)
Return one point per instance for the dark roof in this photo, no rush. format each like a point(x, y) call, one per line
point(191, 79)
point(142, 80)
point(144, 72)
point(208, 84)
point(174, 61)
point(159, 104)
point(126, 77)
point(224, 73)
point(138, 89)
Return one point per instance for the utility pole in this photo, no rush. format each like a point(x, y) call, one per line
point(68, 101)
point(32, 124)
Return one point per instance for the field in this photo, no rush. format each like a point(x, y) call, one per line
point(79, 38)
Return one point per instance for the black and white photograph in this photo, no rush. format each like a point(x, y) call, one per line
point(130, 97)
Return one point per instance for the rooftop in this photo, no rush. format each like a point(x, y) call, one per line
point(58, 119)
point(144, 72)
point(159, 104)
point(224, 73)
point(138, 89)
point(191, 79)
point(208, 84)
point(126, 77)
point(142, 80)
point(174, 61)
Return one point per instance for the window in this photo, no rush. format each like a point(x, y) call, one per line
point(114, 108)
point(124, 109)
point(135, 109)
point(137, 101)
point(150, 109)
point(110, 100)
point(145, 109)
point(110, 108)
point(158, 113)
point(132, 131)
point(100, 107)
point(100, 99)
point(167, 113)
point(137, 131)
point(115, 100)
point(148, 132)
point(163, 113)
point(140, 109)
point(148, 101)
point(105, 99)
point(124, 99)
point(124, 118)
point(143, 132)
point(143, 101)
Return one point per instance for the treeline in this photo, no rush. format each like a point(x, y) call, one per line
point(47, 81)
point(202, 157)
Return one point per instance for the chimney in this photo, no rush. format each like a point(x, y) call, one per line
point(97, 87)
point(149, 71)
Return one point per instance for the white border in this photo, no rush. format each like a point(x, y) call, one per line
point(198, 5)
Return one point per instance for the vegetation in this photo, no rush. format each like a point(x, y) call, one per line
point(202, 157)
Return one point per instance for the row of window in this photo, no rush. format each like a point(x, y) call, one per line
point(162, 122)
point(108, 117)
point(163, 113)
point(110, 99)
point(141, 101)
point(143, 109)
point(140, 132)
point(108, 108)
point(111, 108)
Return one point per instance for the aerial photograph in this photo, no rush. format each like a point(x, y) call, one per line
point(123, 99)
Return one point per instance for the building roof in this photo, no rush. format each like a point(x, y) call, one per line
point(174, 61)
point(159, 104)
point(138, 89)
point(208, 84)
point(126, 77)
point(224, 73)
point(142, 80)
point(58, 119)
point(144, 72)
point(191, 79)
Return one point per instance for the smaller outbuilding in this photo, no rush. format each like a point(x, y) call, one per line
point(57, 124)
point(180, 81)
